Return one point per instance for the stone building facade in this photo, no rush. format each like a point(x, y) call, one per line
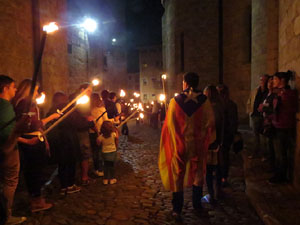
point(20, 39)
point(150, 73)
point(255, 37)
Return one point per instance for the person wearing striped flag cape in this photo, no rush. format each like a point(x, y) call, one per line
point(186, 134)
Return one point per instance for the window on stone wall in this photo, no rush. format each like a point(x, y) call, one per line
point(153, 95)
point(144, 81)
point(70, 48)
point(145, 96)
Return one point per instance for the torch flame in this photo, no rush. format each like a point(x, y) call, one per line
point(95, 82)
point(131, 100)
point(41, 99)
point(142, 115)
point(122, 93)
point(51, 27)
point(136, 94)
point(162, 97)
point(164, 76)
point(83, 100)
point(175, 94)
point(141, 107)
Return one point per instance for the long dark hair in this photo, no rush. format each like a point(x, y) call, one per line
point(107, 129)
point(23, 91)
point(213, 94)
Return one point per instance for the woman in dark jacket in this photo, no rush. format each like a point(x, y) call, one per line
point(65, 143)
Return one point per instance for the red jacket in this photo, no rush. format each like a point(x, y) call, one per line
point(285, 107)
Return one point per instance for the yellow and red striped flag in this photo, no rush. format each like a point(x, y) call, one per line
point(188, 130)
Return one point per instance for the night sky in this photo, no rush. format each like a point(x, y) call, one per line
point(134, 23)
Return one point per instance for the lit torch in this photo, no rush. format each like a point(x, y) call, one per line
point(122, 93)
point(142, 115)
point(82, 100)
point(162, 97)
point(51, 27)
point(95, 82)
point(40, 100)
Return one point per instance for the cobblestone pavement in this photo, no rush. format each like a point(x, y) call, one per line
point(138, 197)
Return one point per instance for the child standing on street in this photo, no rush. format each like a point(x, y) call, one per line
point(109, 141)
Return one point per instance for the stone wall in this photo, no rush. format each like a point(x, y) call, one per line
point(115, 75)
point(190, 41)
point(264, 39)
point(18, 47)
point(16, 40)
point(289, 58)
point(237, 51)
point(55, 71)
point(150, 73)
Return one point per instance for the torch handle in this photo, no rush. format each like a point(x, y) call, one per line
point(74, 100)
point(127, 119)
point(59, 120)
point(36, 70)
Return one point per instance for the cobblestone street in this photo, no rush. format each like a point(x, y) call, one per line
point(138, 197)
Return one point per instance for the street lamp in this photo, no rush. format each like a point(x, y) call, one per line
point(89, 25)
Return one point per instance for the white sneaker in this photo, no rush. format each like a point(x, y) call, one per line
point(99, 173)
point(15, 220)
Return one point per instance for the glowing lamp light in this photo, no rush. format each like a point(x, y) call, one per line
point(90, 25)
point(131, 109)
point(95, 82)
point(122, 93)
point(114, 40)
point(131, 100)
point(83, 100)
point(175, 94)
point(125, 103)
point(164, 76)
point(141, 107)
point(142, 115)
point(41, 99)
point(51, 27)
point(152, 103)
point(136, 94)
point(135, 105)
point(162, 97)
point(147, 106)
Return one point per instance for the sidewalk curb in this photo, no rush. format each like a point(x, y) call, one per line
point(256, 198)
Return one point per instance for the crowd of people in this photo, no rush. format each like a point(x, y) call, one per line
point(88, 132)
point(201, 127)
point(272, 107)
point(198, 132)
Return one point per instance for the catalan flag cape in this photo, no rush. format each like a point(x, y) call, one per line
point(186, 134)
